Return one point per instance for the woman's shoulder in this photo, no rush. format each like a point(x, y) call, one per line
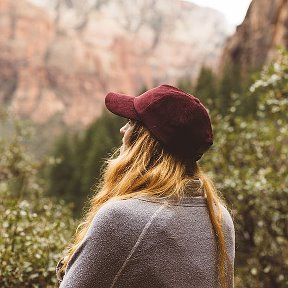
point(124, 207)
point(227, 216)
point(134, 213)
point(228, 226)
point(123, 213)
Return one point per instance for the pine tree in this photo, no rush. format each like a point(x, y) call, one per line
point(106, 137)
point(206, 88)
point(61, 172)
point(186, 85)
point(82, 158)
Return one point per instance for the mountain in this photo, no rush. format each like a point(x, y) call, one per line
point(264, 28)
point(59, 58)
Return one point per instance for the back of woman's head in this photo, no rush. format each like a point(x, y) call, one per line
point(145, 167)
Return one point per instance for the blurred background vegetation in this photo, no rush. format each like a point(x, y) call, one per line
point(248, 162)
point(47, 170)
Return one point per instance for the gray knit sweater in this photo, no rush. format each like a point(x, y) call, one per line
point(143, 243)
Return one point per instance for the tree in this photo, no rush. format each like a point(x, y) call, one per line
point(229, 84)
point(82, 157)
point(186, 85)
point(105, 138)
point(63, 170)
point(206, 88)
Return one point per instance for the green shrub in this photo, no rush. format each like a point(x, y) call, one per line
point(34, 228)
point(249, 164)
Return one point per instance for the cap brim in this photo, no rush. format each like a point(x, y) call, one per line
point(121, 105)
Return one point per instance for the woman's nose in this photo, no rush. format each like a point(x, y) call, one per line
point(123, 129)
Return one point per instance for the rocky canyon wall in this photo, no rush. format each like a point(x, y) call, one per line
point(256, 40)
point(59, 58)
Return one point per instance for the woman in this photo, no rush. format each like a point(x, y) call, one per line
point(157, 220)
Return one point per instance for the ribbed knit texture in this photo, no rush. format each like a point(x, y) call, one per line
point(143, 243)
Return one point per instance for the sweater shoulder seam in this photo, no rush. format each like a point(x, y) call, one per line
point(140, 238)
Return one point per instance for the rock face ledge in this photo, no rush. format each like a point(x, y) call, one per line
point(59, 58)
point(264, 28)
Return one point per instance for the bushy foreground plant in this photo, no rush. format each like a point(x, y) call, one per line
point(33, 228)
point(250, 166)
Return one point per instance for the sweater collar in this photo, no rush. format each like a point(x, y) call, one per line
point(194, 195)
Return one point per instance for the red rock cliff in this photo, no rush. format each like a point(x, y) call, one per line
point(59, 61)
point(264, 28)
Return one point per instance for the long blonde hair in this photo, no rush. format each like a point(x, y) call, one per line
point(146, 169)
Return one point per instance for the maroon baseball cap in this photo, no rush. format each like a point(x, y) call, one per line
point(178, 120)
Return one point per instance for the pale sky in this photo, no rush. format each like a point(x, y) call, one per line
point(234, 10)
